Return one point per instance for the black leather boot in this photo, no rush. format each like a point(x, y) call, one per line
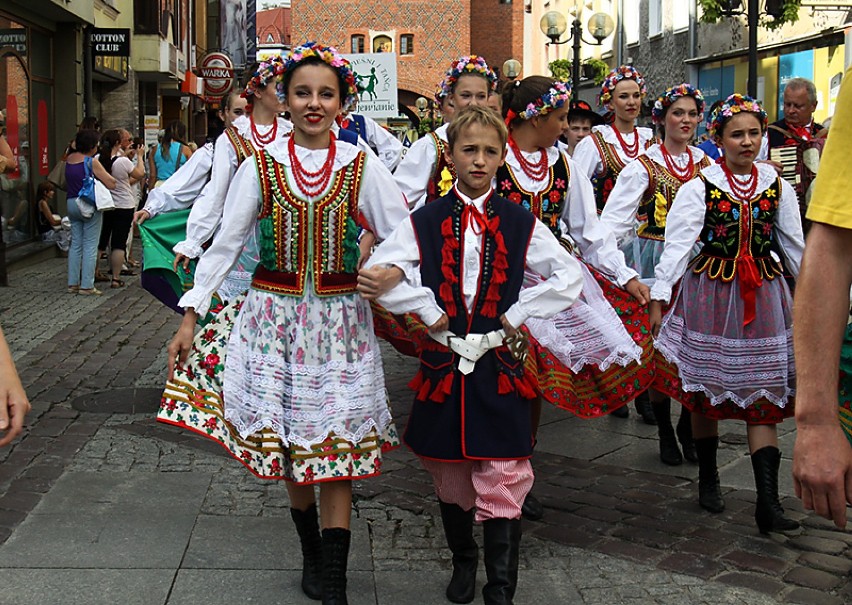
point(458, 528)
point(335, 556)
point(769, 514)
point(709, 488)
point(669, 451)
point(532, 509)
point(684, 435)
point(307, 526)
point(622, 412)
point(502, 543)
point(643, 406)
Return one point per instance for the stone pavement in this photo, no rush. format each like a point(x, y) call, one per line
point(99, 504)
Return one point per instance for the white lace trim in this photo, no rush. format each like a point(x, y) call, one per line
point(234, 284)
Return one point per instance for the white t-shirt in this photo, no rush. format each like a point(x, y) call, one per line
point(123, 195)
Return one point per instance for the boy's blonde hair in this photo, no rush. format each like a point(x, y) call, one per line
point(476, 114)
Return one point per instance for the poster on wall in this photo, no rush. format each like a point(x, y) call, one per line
point(375, 75)
point(237, 34)
point(794, 65)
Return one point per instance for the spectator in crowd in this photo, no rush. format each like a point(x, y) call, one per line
point(167, 156)
point(51, 226)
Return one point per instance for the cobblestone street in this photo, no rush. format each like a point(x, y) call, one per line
point(99, 504)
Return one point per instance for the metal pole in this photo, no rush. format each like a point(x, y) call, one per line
point(576, 33)
point(753, 15)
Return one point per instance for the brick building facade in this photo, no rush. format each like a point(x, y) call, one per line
point(426, 35)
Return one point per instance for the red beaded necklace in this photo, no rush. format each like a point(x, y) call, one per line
point(632, 150)
point(312, 183)
point(682, 174)
point(535, 170)
point(263, 140)
point(744, 191)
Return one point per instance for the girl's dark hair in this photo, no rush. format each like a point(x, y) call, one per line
point(86, 140)
point(176, 131)
point(89, 123)
point(341, 83)
point(43, 188)
point(520, 93)
point(109, 139)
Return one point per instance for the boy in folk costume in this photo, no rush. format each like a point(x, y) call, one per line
point(470, 423)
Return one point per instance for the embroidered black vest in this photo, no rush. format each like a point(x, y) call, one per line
point(612, 167)
point(546, 205)
point(662, 189)
point(734, 229)
point(433, 188)
point(297, 238)
point(484, 415)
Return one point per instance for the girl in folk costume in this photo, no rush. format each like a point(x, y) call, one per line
point(642, 196)
point(304, 395)
point(243, 139)
point(587, 357)
point(728, 331)
point(470, 422)
point(603, 155)
point(162, 222)
point(424, 174)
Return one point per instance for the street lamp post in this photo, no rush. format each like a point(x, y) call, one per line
point(553, 25)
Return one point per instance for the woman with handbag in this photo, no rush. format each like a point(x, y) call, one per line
point(81, 169)
point(117, 222)
point(169, 155)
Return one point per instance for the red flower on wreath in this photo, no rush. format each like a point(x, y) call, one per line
point(724, 206)
point(515, 197)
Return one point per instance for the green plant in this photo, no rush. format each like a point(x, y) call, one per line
point(787, 11)
point(561, 69)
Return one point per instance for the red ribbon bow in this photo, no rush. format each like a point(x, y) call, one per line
point(510, 115)
point(473, 218)
point(750, 281)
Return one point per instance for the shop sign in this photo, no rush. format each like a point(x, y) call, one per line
point(43, 160)
point(111, 42)
point(375, 75)
point(217, 69)
point(15, 39)
point(152, 129)
point(114, 67)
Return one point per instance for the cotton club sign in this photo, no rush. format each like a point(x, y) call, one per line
point(217, 69)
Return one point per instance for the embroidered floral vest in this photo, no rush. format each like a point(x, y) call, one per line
point(298, 238)
point(548, 204)
point(242, 147)
point(734, 230)
point(612, 167)
point(444, 175)
point(662, 189)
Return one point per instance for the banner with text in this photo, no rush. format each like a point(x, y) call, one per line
point(375, 74)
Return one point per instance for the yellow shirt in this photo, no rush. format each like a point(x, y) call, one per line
point(831, 203)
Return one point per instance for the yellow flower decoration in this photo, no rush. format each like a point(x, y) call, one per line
point(446, 182)
point(770, 193)
point(661, 210)
point(716, 194)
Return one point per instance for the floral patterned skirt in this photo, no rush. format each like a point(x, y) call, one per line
point(275, 431)
point(744, 372)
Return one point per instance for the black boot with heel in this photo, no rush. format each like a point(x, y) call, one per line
point(684, 435)
point(335, 557)
point(709, 487)
point(768, 513)
point(502, 546)
point(669, 451)
point(458, 528)
point(307, 526)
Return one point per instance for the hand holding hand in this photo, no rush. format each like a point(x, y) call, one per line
point(638, 290)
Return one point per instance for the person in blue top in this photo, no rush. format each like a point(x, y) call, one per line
point(169, 155)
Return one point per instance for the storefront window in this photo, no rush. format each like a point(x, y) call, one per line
point(16, 218)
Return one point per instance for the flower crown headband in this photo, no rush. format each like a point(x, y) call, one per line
point(557, 96)
point(625, 72)
point(733, 105)
point(267, 71)
point(674, 93)
point(472, 64)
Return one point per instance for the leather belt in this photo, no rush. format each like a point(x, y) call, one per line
point(472, 347)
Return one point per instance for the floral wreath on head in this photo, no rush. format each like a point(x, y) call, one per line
point(558, 95)
point(267, 71)
point(674, 93)
point(473, 64)
point(733, 105)
point(625, 72)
